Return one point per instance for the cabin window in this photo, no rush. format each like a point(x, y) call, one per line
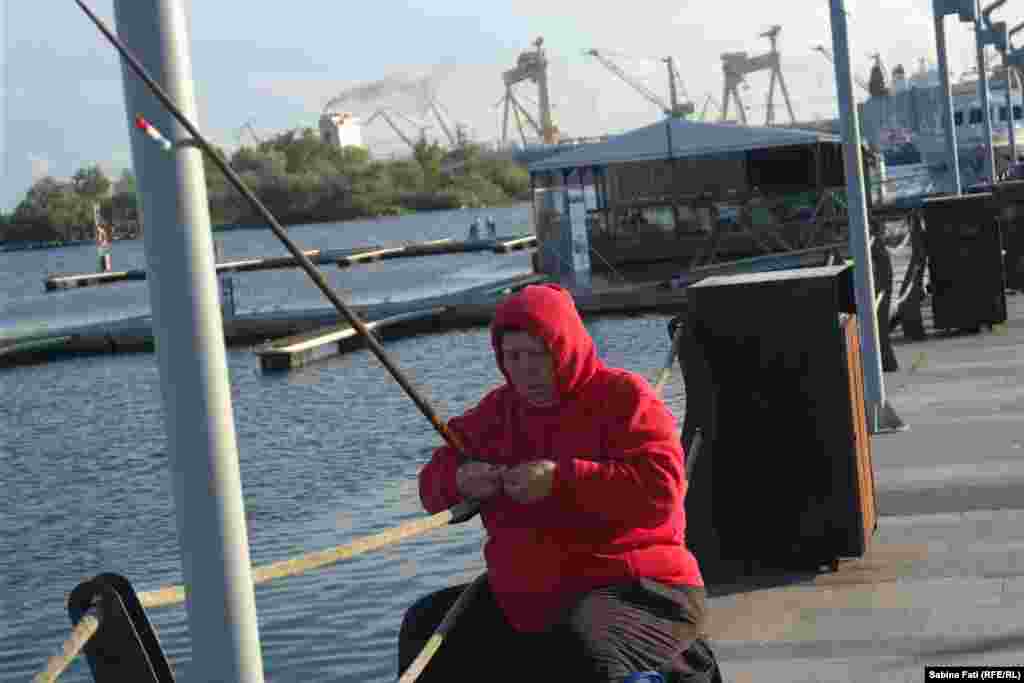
point(1018, 112)
point(1003, 113)
point(975, 116)
point(958, 117)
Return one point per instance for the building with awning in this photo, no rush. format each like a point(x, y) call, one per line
point(684, 193)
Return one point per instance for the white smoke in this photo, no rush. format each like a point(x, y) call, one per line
point(39, 166)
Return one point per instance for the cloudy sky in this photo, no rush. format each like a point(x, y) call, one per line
point(276, 65)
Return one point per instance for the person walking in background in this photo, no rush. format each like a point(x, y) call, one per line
point(104, 237)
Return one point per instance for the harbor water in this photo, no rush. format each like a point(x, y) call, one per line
point(328, 453)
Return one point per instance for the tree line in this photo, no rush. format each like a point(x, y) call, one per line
point(299, 177)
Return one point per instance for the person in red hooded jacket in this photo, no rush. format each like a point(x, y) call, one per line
point(580, 476)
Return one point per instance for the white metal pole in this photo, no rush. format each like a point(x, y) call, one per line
point(190, 353)
point(874, 385)
point(947, 102)
point(1011, 122)
point(986, 106)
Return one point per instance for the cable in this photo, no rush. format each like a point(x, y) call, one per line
point(7, 89)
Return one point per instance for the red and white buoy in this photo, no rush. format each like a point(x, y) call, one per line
point(146, 127)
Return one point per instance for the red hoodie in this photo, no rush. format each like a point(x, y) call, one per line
point(615, 511)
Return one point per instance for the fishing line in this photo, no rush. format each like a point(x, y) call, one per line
point(7, 89)
point(300, 257)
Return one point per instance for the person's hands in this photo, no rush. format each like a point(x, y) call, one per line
point(478, 480)
point(530, 481)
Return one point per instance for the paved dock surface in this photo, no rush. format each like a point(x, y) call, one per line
point(943, 582)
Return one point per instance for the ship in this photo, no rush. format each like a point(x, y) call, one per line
point(910, 111)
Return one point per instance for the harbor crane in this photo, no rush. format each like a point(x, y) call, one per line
point(704, 110)
point(510, 104)
point(247, 127)
point(388, 114)
point(531, 66)
point(675, 84)
point(435, 107)
point(856, 79)
point(736, 66)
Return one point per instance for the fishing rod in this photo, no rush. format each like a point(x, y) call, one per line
point(466, 510)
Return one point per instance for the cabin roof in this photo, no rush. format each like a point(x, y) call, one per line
point(689, 139)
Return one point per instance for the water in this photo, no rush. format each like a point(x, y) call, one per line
point(328, 453)
point(25, 306)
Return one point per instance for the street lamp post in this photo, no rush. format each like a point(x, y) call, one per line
point(967, 11)
point(1011, 71)
point(986, 33)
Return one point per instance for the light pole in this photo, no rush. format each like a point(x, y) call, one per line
point(202, 449)
point(986, 33)
point(881, 416)
point(1011, 71)
point(967, 11)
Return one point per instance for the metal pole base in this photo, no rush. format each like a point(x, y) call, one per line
point(884, 420)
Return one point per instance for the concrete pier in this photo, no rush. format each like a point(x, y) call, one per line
point(943, 580)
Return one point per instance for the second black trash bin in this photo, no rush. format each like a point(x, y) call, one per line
point(1010, 198)
point(965, 255)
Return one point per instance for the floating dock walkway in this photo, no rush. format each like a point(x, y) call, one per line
point(474, 307)
point(426, 315)
point(340, 257)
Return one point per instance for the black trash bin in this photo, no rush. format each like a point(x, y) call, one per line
point(775, 385)
point(965, 255)
point(1009, 197)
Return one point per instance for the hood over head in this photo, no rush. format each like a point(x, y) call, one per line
point(549, 313)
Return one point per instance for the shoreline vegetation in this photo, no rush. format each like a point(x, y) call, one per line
point(298, 177)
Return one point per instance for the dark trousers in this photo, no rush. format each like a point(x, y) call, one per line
point(607, 635)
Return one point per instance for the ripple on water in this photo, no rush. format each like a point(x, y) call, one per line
point(327, 455)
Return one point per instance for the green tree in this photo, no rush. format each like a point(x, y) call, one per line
point(474, 189)
point(126, 183)
point(58, 206)
point(300, 178)
point(123, 202)
point(408, 175)
point(511, 177)
point(429, 155)
point(91, 183)
point(33, 208)
point(353, 157)
point(264, 163)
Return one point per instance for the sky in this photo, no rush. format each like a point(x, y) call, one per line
point(276, 65)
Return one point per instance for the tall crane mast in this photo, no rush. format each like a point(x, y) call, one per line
point(531, 66)
point(736, 66)
point(512, 105)
point(674, 109)
point(435, 108)
point(247, 126)
point(828, 55)
point(387, 116)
